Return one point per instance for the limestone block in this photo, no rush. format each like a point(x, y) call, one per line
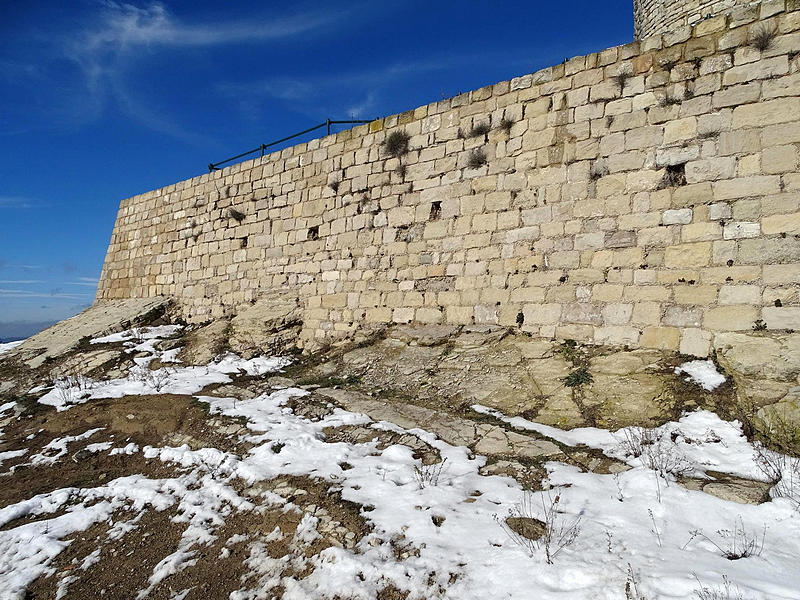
point(582, 312)
point(746, 186)
point(695, 342)
point(710, 169)
point(779, 159)
point(781, 317)
point(781, 224)
point(646, 313)
point(403, 315)
point(769, 250)
point(680, 316)
point(698, 232)
point(782, 110)
point(688, 255)
point(730, 318)
point(541, 314)
point(740, 141)
point(664, 338)
point(617, 335)
point(677, 155)
point(486, 314)
point(784, 86)
point(620, 239)
point(584, 241)
point(763, 69)
point(680, 129)
point(617, 313)
point(720, 210)
point(738, 230)
point(768, 354)
point(740, 294)
point(781, 274)
point(682, 216)
point(695, 295)
point(459, 315)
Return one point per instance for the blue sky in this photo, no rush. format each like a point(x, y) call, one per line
point(102, 100)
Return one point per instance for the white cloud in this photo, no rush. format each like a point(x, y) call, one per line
point(11, 293)
point(15, 202)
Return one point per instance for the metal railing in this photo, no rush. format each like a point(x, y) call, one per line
point(263, 147)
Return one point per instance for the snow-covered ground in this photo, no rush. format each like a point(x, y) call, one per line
point(635, 529)
point(6, 346)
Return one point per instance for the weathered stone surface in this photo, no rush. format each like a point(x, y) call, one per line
point(730, 488)
point(204, 343)
point(767, 355)
point(270, 326)
point(518, 375)
point(484, 439)
point(99, 320)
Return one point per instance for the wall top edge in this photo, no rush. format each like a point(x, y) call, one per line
point(609, 57)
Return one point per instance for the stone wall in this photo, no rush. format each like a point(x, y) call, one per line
point(645, 195)
point(651, 17)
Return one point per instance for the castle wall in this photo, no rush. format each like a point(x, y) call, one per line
point(653, 17)
point(653, 208)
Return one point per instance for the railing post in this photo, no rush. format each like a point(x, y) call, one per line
point(328, 123)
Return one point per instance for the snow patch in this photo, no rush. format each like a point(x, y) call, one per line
point(702, 372)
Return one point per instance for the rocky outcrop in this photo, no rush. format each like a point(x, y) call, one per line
point(766, 369)
point(448, 368)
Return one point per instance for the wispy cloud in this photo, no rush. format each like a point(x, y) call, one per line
point(125, 25)
point(84, 281)
point(106, 47)
point(124, 30)
point(16, 202)
point(12, 293)
point(20, 281)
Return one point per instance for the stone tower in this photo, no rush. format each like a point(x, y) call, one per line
point(651, 17)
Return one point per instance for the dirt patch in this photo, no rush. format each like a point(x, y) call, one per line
point(141, 420)
point(124, 564)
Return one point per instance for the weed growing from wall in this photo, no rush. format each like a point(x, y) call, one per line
point(236, 215)
point(505, 124)
point(477, 158)
point(396, 144)
point(763, 38)
point(480, 130)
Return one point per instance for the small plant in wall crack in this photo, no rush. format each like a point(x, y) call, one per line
point(236, 215)
point(477, 158)
point(480, 130)
point(598, 170)
point(674, 176)
point(621, 79)
point(763, 38)
point(670, 100)
point(505, 124)
point(396, 144)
